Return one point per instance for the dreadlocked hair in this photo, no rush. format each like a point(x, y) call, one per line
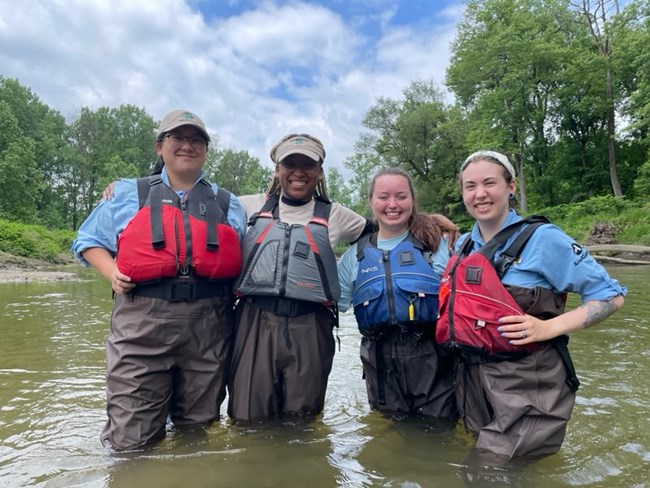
point(423, 228)
point(320, 191)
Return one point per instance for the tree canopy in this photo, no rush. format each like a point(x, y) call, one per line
point(562, 87)
point(532, 79)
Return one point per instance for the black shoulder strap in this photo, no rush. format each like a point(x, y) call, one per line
point(490, 248)
point(362, 242)
point(466, 248)
point(512, 253)
point(271, 205)
point(144, 184)
point(154, 185)
point(322, 208)
point(212, 206)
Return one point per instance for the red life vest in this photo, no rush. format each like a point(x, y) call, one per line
point(169, 237)
point(472, 297)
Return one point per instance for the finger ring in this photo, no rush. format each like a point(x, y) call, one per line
point(524, 334)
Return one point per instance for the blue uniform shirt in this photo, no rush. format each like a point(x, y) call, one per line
point(348, 265)
point(551, 259)
point(109, 217)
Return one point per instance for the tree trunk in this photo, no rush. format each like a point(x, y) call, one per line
point(521, 176)
point(611, 134)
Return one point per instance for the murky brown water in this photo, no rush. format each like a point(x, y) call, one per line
point(52, 410)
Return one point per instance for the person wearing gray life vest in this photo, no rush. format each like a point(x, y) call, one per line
point(284, 343)
point(170, 247)
point(392, 278)
point(519, 405)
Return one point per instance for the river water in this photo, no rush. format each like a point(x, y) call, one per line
point(52, 410)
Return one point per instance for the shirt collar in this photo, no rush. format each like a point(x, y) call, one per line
point(511, 218)
point(165, 179)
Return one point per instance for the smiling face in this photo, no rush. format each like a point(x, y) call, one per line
point(392, 204)
point(298, 175)
point(183, 163)
point(486, 193)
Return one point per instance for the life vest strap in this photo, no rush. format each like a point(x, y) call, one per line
point(157, 235)
point(285, 306)
point(181, 291)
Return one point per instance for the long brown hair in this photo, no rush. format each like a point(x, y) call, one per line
point(423, 228)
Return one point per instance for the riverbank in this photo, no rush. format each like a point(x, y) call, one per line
point(17, 269)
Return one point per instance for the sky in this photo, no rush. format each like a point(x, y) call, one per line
point(253, 70)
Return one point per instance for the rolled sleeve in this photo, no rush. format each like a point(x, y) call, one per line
point(107, 221)
point(347, 268)
point(569, 267)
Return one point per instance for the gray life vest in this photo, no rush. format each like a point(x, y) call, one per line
point(292, 261)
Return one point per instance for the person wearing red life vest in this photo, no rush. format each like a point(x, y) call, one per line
point(516, 391)
point(169, 245)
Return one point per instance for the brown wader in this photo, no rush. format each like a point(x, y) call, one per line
point(282, 357)
point(407, 373)
point(164, 359)
point(519, 407)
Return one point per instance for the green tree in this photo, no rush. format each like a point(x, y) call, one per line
point(606, 23)
point(634, 68)
point(363, 163)
point(43, 130)
point(105, 141)
point(422, 135)
point(507, 60)
point(20, 185)
point(337, 189)
point(236, 171)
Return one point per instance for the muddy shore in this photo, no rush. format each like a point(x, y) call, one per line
point(15, 269)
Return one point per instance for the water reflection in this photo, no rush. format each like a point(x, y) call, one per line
point(52, 410)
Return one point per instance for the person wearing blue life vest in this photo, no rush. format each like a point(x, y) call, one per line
point(392, 278)
point(515, 381)
point(283, 344)
point(169, 245)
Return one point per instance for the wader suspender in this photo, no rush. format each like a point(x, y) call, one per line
point(209, 207)
point(380, 340)
point(503, 262)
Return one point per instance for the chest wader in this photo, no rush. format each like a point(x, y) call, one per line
point(396, 292)
point(473, 298)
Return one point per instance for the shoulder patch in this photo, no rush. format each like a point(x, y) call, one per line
point(577, 249)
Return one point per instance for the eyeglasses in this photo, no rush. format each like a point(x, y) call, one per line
point(307, 167)
point(176, 141)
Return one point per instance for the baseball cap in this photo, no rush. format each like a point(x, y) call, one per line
point(304, 144)
point(502, 159)
point(179, 118)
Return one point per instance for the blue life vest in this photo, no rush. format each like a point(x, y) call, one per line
point(394, 288)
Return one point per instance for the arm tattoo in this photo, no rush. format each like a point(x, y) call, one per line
point(597, 312)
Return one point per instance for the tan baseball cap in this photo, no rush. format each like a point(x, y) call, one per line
point(305, 144)
point(179, 118)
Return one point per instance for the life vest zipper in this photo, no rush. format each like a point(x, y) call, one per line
point(188, 235)
point(452, 298)
point(285, 260)
point(389, 287)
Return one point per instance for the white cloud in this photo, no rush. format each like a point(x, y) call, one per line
point(278, 68)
